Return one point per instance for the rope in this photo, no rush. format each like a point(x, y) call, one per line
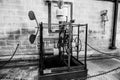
point(104, 52)
point(104, 73)
point(101, 74)
point(10, 57)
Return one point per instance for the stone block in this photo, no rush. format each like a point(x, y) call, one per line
point(10, 42)
point(2, 43)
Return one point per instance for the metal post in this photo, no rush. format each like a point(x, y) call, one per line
point(49, 17)
point(41, 52)
point(78, 43)
point(70, 45)
point(59, 41)
point(71, 11)
point(114, 28)
point(71, 18)
point(86, 34)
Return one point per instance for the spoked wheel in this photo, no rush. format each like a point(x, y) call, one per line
point(76, 44)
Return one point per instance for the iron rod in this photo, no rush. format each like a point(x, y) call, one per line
point(41, 53)
point(78, 43)
point(86, 34)
point(70, 45)
point(49, 16)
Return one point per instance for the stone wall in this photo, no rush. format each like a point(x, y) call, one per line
point(15, 26)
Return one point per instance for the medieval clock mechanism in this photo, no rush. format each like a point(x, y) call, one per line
point(64, 65)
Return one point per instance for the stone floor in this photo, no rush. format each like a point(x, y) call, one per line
point(101, 66)
point(94, 66)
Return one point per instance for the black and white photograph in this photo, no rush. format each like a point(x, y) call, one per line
point(59, 40)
